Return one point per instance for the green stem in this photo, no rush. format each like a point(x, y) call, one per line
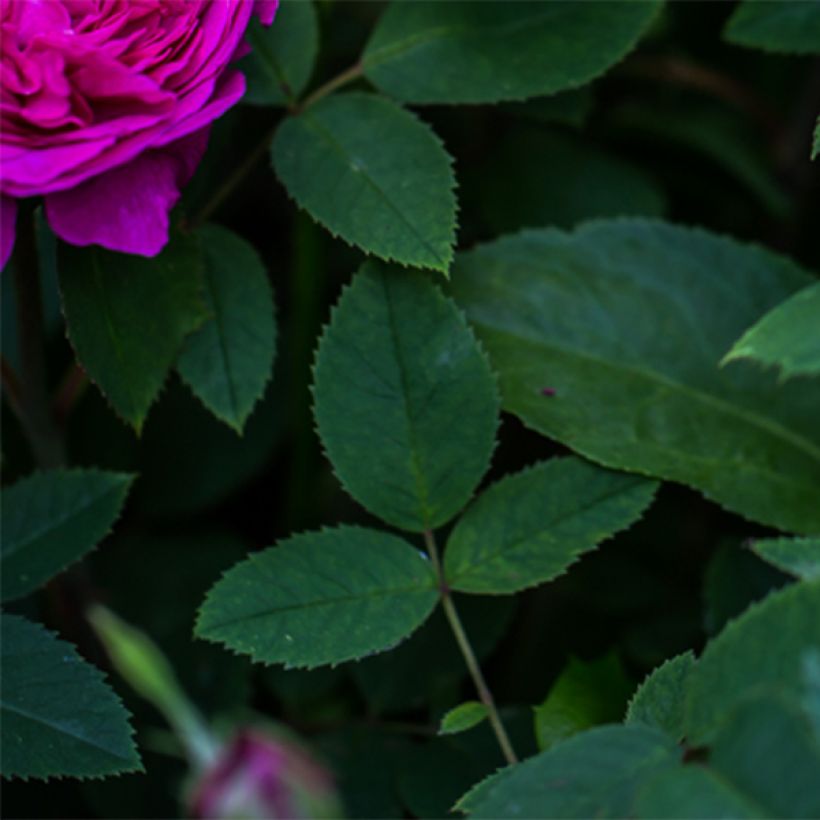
point(237, 177)
point(484, 693)
point(34, 405)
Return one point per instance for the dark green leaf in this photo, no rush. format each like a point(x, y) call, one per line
point(528, 528)
point(373, 174)
point(593, 352)
point(59, 717)
point(788, 26)
point(796, 556)
point(787, 337)
point(660, 700)
point(282, 57)
point(128, 316)
point(586, 694)
point(321, 597)
point(463, 717)
point(51, 520)
point(455, 52)
point(594, 774)
point(228, 361)
point(399, 374)
point(762, 648)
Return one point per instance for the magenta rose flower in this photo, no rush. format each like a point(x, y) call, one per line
point(106, 108)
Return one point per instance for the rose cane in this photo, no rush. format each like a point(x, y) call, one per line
point(255, 773)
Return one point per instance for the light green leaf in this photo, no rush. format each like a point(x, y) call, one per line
point(228, 361)
point(59, 717)
point(660, 700)
point(760, 649)
point(455, 52)
point(528, 528)
point(50, 520)
point(787, 337)
point(785, 26)
point(586, 694)
point(321, 597)
point(373, 174)
point(463, 717)
point(595, 350)
point(594, 774)
point(399, 374)
point(796, 556)
point(128, 316)
point(283, 55)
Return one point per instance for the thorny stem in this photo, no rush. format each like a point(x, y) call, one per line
point(484, 693)
point(236, 178)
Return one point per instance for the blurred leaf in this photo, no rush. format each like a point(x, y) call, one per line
point(586, 694)
point(530, 527)
point(594, 774)
point(787, 337)
point(661, 699)
point(539, 178)
point(128, 316)
point(373, 174)
point(51, 519)
point(571, 108)
point(227, 362)
point(283, 55)
point(399, 373)
point(321, 597)
point(463, 717)
point(786, 26)
point(631, 364)
point(796, 556)
point(815, 147)
point(455, 52)
point(760, 649)
point(59, 717)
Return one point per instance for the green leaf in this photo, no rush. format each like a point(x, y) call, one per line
point(463, 717)
point(796, 556)
point(815, 147)
point(570, 108)
point(661, 699)
point(592, 351)
point(373, 174)
point(59, 717)
point(50, 520)
point(594, 774)
point(762, 648)
point(787, 337)
point(228, 361)
point(528, 528)
point(283, 55)
point(321, 597)
point(785, 26)
point(398, 373)
point(586, 694)
point(454, 52)
point(128, 316)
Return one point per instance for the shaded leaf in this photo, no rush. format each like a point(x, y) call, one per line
point(373, 174)
point(787, 337)
point(227, 362)
point(321, 597)
point(59, 717)
point(52, 519)
point(796, 556)
point(463, 717)
point(785, 26)
point(631, 365)
point(398, 373)
point(660, 700)
point(454, 52)
point(128, 316)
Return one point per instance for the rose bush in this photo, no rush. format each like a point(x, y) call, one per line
point(106, 107)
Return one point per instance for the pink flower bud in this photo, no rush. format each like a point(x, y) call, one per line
point(256, 775)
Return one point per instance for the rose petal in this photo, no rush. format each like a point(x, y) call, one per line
point(266, 10)
point(8, 218)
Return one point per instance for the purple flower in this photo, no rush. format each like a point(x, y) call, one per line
point(260, 776)
point(105, 108)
